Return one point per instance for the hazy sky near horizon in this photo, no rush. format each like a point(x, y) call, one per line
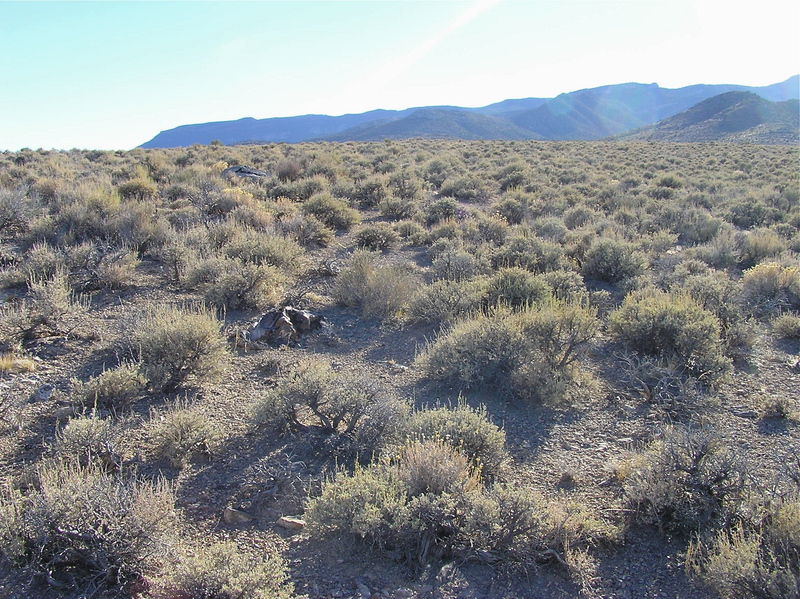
point(111, 75)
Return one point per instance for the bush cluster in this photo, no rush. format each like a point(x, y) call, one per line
point(429, 504)
point(529, 353)
point(355, 409)
point(672, 326)
point(177, 346)
point(86, 530)
point(380, 290)
point(467, 429)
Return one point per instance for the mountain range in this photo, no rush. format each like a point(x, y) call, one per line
point(629, 110)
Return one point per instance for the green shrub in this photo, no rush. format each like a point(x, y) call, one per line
point(555, 336)
point(379, 290)
point(720, 295)
point(440, 210)
point(296, 191)
point(467, 429)
point(751, 212)
point(452, 262)
point(307, 230)
point(768, 288)
point(411, 507)
point(476, 351)
point(510, 209)
point(371, 505)
point(781, 406)
point(613, 261)
point(787, 326)
point(669, 181)
point(672, 326)
point(17, 211)
point(332, 212)
point(86, 530)
point(446, 301)
point(411, 231)
point(661, 382)
point(88, 441)
point(255, 247)
point(50, 309)
point(516, 287)
point(313, 395)
point(176, 346)
point(566, 285)
point(528, 252)
point(578, 216)
point(94, 267)
point(493, 231)
point(551, 228)
point(721, 252)
point(513, 175)
point(113, 389)
point(245, 286)
point(370, 192)
point(428, 504)
point(405, 186)
point(689, 482)
point(465, 189)
point(397, 208)
point(181, 433)
point(288, 170)
point(529, 353)
point(758, 245)
point(438, 170)
point(43, 262)
point(223, 571)
point(375, 237)
point(753, 561)
point(695, 225)
point(137, 189)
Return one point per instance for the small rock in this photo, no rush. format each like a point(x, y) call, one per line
point(625, 441)
point(65, 412)
point(246, 172)
point(291, 523)
point(363, 590)
point(45, 392)
point(234, 516)
point(743, 412)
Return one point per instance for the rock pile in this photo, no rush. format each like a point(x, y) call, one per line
point(282, 326)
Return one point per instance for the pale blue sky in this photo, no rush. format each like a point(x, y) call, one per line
point(111, 75)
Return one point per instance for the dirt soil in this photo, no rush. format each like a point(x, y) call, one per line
point(570, 452)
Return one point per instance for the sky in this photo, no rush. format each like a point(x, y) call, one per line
point(111, 75)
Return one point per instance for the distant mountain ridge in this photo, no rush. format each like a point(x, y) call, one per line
point(440, 123)
point(586, 114)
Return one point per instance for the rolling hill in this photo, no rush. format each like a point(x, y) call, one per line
point(729, 117)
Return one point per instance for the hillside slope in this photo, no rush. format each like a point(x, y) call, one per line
point(730, 117)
